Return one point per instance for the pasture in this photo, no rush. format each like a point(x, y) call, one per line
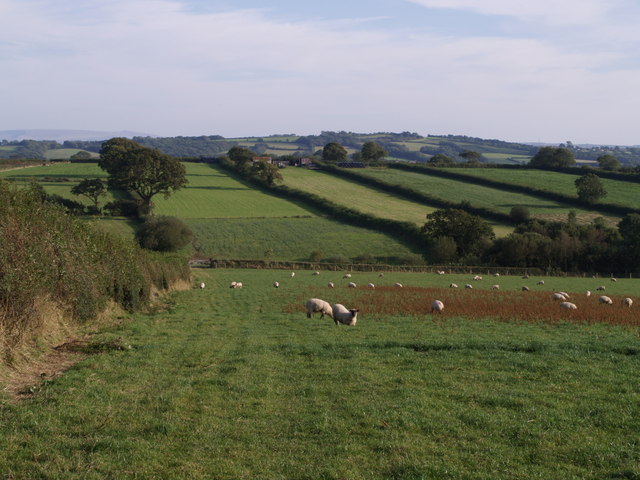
point(618, 192)
point(477, 195)
point(238, 384)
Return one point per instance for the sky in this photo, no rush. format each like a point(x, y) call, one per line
point(516, 70)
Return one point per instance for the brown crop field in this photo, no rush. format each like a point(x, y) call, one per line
point(474, 304)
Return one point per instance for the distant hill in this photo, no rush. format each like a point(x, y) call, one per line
point(62, 135)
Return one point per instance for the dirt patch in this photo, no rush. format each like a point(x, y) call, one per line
point(22, 382)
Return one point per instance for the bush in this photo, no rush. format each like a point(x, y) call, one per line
point(164, 234)
point(519, 214)
point(122, 208)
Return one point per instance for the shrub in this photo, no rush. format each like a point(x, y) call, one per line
point(164, 234)
point(519, 214)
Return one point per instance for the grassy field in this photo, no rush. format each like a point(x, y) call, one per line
point(623, 193)
point(480, 196)
point(211, 193)
point(355, 196)
point(239, 384)
point(291, 239)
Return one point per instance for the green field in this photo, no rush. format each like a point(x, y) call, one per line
point(619, 192)
point(211, 193)
point(291, 239)
point(238, 384)
point(479, 196)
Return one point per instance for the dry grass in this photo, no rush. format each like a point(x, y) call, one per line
point(475, 304)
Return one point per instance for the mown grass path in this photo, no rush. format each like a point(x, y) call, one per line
point(239, 384)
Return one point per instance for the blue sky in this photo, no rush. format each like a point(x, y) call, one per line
point(524, 71)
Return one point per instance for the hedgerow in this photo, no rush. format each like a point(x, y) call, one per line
point(47, 255)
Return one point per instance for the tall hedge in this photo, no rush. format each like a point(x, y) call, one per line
point(48, 255)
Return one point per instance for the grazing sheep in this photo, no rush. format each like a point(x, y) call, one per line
point(293, 274)
point(627, 302)
point(467, 285)
point(453, 285)
point(314, 305)
point(601, 288)
point(525, 277)
point(558, 296)
point(525, 289)
point(202, 285)
point(477, 277)
point(605, 299)
point(495, 287)
point(440, 272)
point(565, 294)
point(233, 284)
point(380, 275)
point(568, 305)
point(540, 282)
point(371, 285)
point(397, 284)
point(238, 285)
point(276, 284)
point(437, 306)
point(588, 293)
point(316, 273)
point(342, 314)
point(613, 279)
point(351, 285)
point(330, 285)
point(346, 275)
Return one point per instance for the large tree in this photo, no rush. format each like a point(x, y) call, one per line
point(241, 156)
point(334, 152)
point(471, 233)
point(266, 171)
point(141, 170)
point(553, 157)
point(608, 162)
point(372, 152)
point(590, 188)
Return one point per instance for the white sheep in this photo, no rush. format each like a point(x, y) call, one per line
point(495, 287)
point(565, 294)
point(601, 288)
point(397, 284)
point(371, 285)
point(467, 285)
point(453, 285)
point(233, 284)
point(440, 272)
point(568, 305)
point(437, 306)
point(316, 273)
point(525, 277)
point(351, 285)
point(346, 275)
point(524, 289)
point(293, 274)
point(314, 305)
point(540, 282)
point(613, 279)
point(558, 296)
point(238, 285)
point(588, 293)
point(202, 285)
point(605, 299)
point(342, 314)
point(477, 277)
point(627, 302)
point(496, 274)
point(380, 275)
point(276, 284)
point(330, 285)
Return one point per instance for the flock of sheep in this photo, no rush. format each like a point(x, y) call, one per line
point(349, 316)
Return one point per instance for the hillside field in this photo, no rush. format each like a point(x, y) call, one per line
point(239, 384)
